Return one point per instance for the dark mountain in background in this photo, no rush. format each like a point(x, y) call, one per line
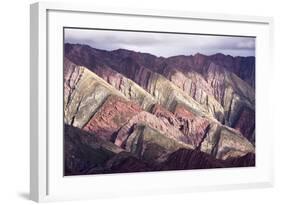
point(181, 112)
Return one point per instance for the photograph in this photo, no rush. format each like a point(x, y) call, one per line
point(146, 101)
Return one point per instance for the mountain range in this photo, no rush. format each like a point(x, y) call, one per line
point(127, 111)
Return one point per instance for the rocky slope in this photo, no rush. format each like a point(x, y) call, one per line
point(215, 82)
point(154, 110)
point(86, 153)
point(84, 93)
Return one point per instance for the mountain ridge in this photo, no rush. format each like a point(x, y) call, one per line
point(220, 86)
point(153, 107)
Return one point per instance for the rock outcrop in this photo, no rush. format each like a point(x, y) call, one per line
point(150, 145)
point(113, 114)
point(161, 125)
point(186, 159)
point(223, 143)
point(84, 151)
point(85, 93)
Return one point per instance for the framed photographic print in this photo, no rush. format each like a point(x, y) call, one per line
point(128, 101)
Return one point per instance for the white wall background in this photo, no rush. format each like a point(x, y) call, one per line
point(14, 101)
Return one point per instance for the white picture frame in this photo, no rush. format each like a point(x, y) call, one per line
point(47, 182)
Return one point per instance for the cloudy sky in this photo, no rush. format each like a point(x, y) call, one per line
point(162, 44)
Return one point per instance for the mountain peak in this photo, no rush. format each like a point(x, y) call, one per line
point(199, 55)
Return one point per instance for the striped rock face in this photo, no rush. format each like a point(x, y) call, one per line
point(126, 111)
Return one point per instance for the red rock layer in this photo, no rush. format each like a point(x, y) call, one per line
point(194, 127)
point(114, 113)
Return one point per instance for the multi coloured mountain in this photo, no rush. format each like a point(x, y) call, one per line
point(126, 111)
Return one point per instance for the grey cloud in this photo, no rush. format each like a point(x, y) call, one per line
point(161, 44)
